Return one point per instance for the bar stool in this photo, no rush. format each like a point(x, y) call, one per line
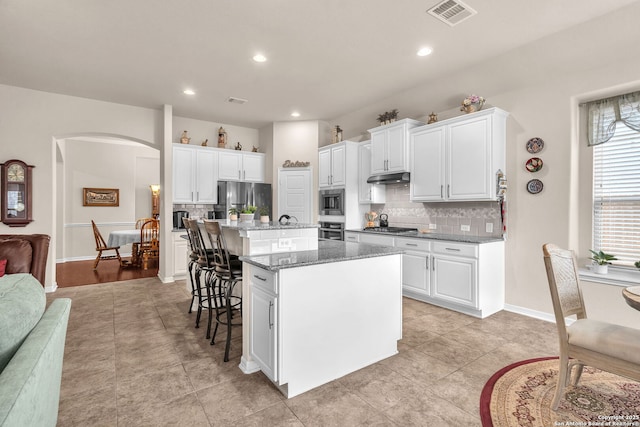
point(203, 263)
point(191, 265)
point(228, 272)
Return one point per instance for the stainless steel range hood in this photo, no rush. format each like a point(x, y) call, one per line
point(391, 178)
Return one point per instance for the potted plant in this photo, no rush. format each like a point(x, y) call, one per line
point(247, 213)
point(602, 261)
point(233, 214)
point(264, 214)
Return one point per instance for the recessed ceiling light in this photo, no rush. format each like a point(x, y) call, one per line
point(295, 114)
point(188, 92)
point(259, 58)
point(424, 51)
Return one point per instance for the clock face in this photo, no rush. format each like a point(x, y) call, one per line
point(15, 173)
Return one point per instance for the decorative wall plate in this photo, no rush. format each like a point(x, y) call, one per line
point(534, 186)
point(535, 145)
point(534, 164)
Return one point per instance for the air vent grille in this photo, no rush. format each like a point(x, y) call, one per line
point(234, 100)
point(451, 12)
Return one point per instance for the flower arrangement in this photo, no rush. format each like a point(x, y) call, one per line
point(472, 103)
point(388, 117)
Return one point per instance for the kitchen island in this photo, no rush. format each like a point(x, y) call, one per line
point(316, 315)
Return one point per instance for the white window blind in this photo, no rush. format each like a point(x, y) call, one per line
point(616, 196)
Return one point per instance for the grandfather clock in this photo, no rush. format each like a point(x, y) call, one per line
point(16, 193)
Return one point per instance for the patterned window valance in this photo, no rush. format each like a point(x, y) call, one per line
point(602, 116)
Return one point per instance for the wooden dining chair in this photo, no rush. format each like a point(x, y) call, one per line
point(606, 346)
point(101, 246)
point(141, 221)
point(149, 246)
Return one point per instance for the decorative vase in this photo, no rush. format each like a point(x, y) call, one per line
point(184, 139)
point(233, 217)
point(264, 218)
point(472, 108)
point(246, 217)
point(601, 268)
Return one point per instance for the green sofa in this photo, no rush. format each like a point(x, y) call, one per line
point(31, 351)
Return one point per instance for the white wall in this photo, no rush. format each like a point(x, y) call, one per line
point(540, 85)
point(199, 130)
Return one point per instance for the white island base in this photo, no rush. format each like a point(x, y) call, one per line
point(314, 323)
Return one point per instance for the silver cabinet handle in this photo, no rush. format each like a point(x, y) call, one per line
point(270, 323)
point(427, 262)
point(239, 176)
point(259, 278)
point(433, 263)
point(441, 191)
point(448, 190)
point(244, 174)
point(453, 249)
point(411, 244)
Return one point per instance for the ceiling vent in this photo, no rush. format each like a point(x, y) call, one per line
point(451, 12)
point(234, 100)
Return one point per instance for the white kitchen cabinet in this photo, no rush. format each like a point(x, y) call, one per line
point(264, 326)
point(235, 165)
point(415, 266)
point(458, 159)
point(332, 165)
point(368, 193)
point(180, 251)
point(390, 146)
point(194, 175)
point(466, 277)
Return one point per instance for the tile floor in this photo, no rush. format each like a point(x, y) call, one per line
point(134, 358)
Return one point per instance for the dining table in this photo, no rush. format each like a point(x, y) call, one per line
point(123, 237)
point(631, 295)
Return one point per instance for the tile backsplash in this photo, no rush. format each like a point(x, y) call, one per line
point(447, 216)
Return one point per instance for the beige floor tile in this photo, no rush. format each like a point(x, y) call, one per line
point(449, 350)
point(93, 407)
point(160, 386)
point(275, 415)
point(427, 409)
point(182, 411)
point(211, 370)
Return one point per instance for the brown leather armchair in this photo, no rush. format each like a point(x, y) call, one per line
point(25, 253)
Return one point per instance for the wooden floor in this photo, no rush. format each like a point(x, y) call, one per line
point(78, 273)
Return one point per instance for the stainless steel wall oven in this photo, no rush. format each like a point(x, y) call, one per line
point(331, 202)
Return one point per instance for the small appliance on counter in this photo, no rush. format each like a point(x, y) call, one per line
point(384, 220)
point(177, 218)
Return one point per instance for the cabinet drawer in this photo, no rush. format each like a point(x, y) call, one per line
point(351, 237)
point(461, 249)
point(376, 239)
point(264, 280)
point(413, 244)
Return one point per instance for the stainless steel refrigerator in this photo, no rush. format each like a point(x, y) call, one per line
point(239, 195)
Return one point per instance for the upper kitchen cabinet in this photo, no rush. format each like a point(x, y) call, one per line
point(241, 166)
point(194, 174)
point(458, 159)
point(368, 193)
point(332, 164)
point(390, 146)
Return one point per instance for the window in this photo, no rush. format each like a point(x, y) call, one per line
point(616, 195)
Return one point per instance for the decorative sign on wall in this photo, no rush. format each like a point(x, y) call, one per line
point(100, 197)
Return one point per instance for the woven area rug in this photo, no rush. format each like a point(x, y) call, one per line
point(521, 395)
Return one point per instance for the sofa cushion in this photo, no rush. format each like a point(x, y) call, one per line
point(22, 302)
point(18, 253)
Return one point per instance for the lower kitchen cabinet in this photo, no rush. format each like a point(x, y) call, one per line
point(180, 250)
point(466, 277)
point(263, 326)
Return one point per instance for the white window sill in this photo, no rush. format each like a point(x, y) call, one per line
point(616, 276)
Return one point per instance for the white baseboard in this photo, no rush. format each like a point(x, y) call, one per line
point(85, 258)
point(548, 317)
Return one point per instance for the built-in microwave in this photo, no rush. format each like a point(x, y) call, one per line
point(331, 202)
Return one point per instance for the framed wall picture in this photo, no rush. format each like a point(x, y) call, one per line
point(100, 197)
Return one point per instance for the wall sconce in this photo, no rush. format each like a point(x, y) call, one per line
point(155, 200)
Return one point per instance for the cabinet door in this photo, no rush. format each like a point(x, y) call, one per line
point(253, 166)
point(229, 166)
point(378, 152)
point(263, 331)
point(206, 176)
point(397, 149)
point(415, 272)
point(364, 171)
point(183, 175)
point(454, 279)
point(324, 168)
point(470, 175)
point(351, 237)
point(180, 249)
point(427, 165)
point(338, 165)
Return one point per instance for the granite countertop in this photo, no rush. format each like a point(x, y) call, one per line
point(328, 251)
point(257, 225)
point(436, 236)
